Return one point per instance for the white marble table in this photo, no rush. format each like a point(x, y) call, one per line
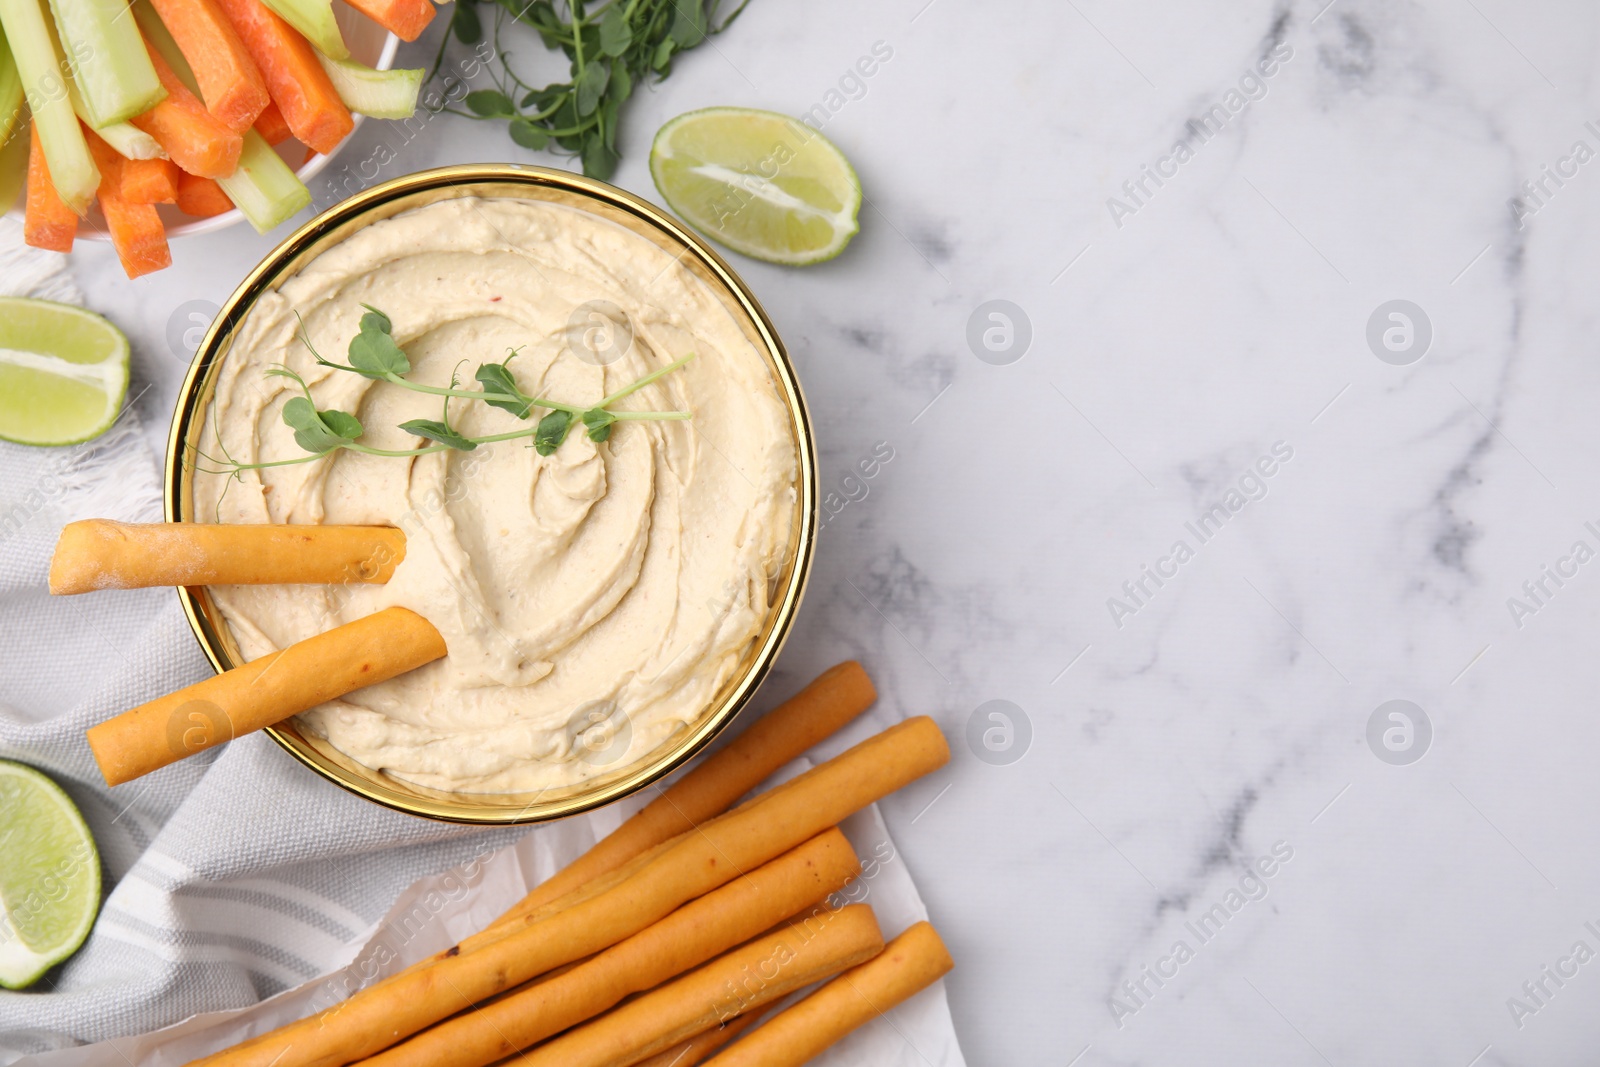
point(1171, 739)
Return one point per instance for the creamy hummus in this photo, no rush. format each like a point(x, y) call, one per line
point(593, 601)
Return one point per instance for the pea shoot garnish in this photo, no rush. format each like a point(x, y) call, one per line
point(373, 353)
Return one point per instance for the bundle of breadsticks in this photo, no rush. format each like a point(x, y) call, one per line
point(666, 941)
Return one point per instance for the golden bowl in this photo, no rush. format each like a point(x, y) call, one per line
point(607, 202)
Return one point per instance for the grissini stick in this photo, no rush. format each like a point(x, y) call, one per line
point(101, 554)
point(740, 981)
point(907, 965)
point(263, 692)
point(700, 930)
point(818, 711)
point(381, 1015)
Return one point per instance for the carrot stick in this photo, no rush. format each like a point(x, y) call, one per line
point(101, 554)
point(700, 861)
point(907, 965)
point(195, 139)
point(272, 126)
point(406, 19)
point(696, 932)
point(149, 181)
point(836, 697)
point(201, 197)
point(295, 80)
point(263, 692)
point(746, 978)
point(136, 230)
point(137, 234)
point(701, 1047)
point(230, 84)
point(47, 222)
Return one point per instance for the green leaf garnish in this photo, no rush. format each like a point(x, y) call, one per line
point(599, 422)
point(528, 135)
point(319, 431)
point(373, 352)
point(342, 423)
point(496, 379)
point(552, 431)
point(590, 84)
point(490, 103)
point(621, 88)
point(434, 430)
point(375, 320)
point(689, 26)
point(465, 24)
point(599, 159)
point(615, 33)
point(542, 99)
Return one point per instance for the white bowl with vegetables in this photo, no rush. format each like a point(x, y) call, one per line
point(370, 45)
point(188, 116)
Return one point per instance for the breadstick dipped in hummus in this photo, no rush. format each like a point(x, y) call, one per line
point(262, 692)
point(377, 1017)
point(101, 554)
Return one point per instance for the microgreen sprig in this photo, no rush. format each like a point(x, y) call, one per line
point(373, 353)
point(611, 49)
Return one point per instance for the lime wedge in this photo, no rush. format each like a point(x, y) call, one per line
point(761, 183)
point(49, 879)
point(63, 372)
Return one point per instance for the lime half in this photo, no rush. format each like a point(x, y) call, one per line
point(49, 876)
point(761, 183)
point(63, 372)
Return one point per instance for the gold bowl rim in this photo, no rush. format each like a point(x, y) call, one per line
point(392, 197)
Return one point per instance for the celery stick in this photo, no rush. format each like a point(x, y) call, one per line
point(13, 167)
point(264, 187)
point(10, 91)
point(72, 169)
point(383, 94)
point(160, 38)
point(130, 142)
point(109, 62)
point(126, 139)
point(314, 19)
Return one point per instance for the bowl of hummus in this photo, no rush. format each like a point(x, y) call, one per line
point(608, 604)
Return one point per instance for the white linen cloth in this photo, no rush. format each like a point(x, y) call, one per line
point(241, 889)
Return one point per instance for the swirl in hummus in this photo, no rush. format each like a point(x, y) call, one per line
point(623, 580)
